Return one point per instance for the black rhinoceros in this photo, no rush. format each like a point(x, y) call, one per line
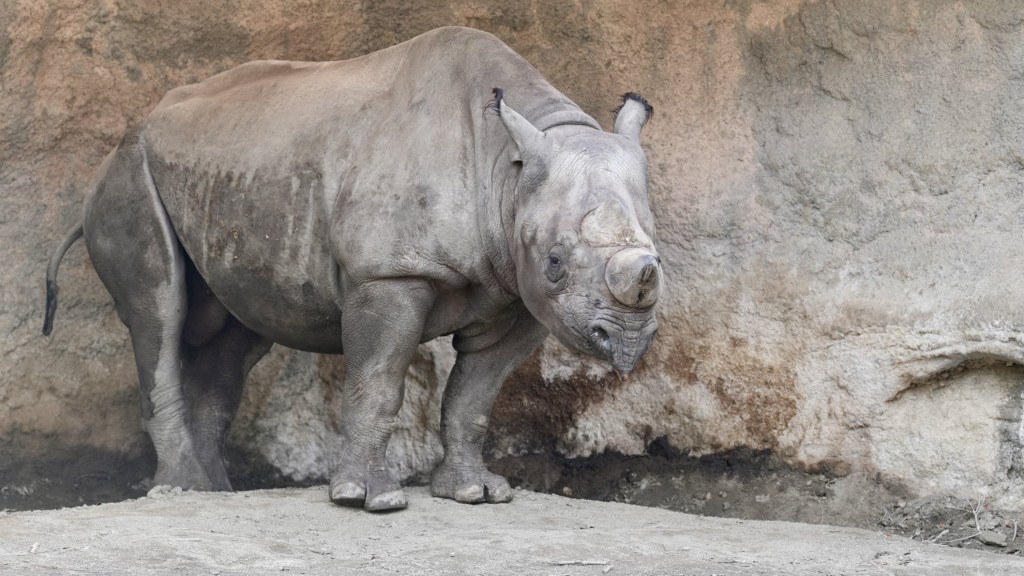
point(363, 207)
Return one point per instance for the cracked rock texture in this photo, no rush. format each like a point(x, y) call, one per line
point(839, 188)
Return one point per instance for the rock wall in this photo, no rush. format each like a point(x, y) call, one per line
point(838, 186)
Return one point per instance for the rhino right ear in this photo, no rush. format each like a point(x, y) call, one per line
point(527, 138)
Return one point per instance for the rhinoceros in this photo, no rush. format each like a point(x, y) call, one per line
point(363, 207)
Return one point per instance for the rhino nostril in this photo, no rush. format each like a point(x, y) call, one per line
point(600, 337)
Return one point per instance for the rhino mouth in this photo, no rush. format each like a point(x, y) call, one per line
point(619, 342)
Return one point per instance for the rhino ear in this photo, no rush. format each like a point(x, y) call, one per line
point(527, 138)
point(631, 116)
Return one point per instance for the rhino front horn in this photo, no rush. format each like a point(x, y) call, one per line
point(634, 277)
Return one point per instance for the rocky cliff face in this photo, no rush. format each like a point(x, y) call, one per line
point(838, 187)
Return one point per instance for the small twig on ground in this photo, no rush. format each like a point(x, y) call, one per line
point(977, 525)
point(937, 536)
point(1014, 531)
point(975, 535)
point(579, 562)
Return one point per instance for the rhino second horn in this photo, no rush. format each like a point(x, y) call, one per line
point(634, 277)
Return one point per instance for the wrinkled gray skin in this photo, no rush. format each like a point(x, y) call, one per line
point(364, 207)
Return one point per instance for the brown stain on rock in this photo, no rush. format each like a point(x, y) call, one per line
point(751, 387)
point(537, 411)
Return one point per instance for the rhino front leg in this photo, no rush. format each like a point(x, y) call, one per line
point(472, 389)
point(382, 323)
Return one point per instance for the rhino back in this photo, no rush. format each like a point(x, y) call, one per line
point(287, 181)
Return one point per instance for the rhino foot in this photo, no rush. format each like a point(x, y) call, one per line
point(186, 478)
point(218, 475)
point(348, 494)
point(469, 486)
point(379, 496)
point(391, 500)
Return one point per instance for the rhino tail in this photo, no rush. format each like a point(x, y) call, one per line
point(51, 276)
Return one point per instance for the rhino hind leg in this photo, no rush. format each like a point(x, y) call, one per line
point(137, 257)
point(217, 354)
point(383, 322)
point(472, 388)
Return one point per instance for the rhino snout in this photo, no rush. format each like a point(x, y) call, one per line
point(633, 276)
point(622, 347)
point(625, 357)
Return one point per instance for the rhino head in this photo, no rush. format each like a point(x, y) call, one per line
point(586, 263)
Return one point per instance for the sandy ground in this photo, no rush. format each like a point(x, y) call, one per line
point(295, 531)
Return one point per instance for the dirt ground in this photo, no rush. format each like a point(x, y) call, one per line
point(296, 531)
point(743, 486)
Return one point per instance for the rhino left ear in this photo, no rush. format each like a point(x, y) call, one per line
point(527, 138)
point(631, 116)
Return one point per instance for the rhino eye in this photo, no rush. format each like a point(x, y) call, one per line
point(553, 269)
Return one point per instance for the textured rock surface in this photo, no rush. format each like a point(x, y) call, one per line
point(838, 188)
